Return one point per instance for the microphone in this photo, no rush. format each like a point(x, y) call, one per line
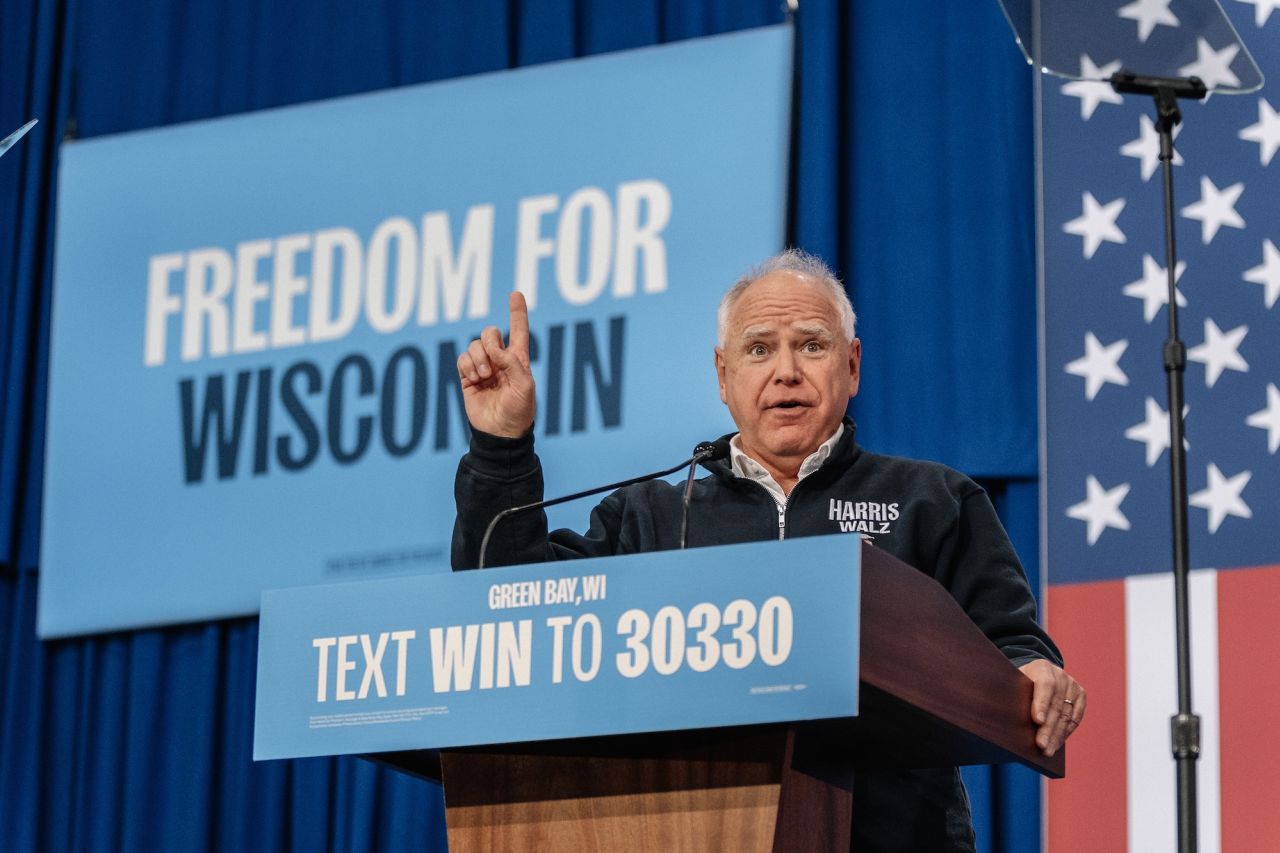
point(705, 450)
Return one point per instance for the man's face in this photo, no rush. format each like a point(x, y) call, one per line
point(786, 371)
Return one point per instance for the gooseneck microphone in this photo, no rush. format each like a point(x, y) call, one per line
point(705, 451)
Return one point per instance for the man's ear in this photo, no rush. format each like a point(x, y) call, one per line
point(855, 366)
point(719, 359)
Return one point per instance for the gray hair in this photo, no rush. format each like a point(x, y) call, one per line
point(799, 262)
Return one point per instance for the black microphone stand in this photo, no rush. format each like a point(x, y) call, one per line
point(1185, 725)
point(706, 451)
point(701, 452)
point(488, 531)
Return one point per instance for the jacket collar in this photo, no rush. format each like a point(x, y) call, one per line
point(842, 454)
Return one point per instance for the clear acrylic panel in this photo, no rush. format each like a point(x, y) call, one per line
point(1092, 39)
point(8, 141)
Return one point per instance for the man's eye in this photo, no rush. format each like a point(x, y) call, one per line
point(757, 349)
point(813, 346)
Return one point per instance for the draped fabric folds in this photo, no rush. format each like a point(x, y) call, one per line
point(913, 177)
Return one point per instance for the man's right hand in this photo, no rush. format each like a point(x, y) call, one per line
point(497, 385)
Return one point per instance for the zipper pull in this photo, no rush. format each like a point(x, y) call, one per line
point(782, 522)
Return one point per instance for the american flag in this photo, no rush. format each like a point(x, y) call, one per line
point(1105, 426)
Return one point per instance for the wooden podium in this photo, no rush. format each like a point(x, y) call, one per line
point(934, 693)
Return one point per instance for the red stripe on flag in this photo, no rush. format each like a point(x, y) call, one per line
point(1088, 809)
point(1248, 684)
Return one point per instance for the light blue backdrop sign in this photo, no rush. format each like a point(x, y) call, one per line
point(740, 634)
point(256, 318)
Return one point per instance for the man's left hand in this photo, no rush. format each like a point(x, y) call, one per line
point(1057, 704)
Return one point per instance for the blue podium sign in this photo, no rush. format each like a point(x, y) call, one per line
point(733, 635)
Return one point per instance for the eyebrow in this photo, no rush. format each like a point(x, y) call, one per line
point(815, 330)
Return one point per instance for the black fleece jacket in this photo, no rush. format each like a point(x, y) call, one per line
point(925, 514)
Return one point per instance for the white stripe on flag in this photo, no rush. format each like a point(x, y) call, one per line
point(1153, 699)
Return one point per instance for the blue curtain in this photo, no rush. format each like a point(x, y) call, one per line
point(913, 177)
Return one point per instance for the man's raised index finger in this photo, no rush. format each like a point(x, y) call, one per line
point(518, 339)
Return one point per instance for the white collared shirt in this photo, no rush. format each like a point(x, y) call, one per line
point(749, 469)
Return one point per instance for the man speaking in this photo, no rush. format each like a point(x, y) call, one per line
point(788, 363)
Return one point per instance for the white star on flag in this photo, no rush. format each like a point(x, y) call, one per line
point(1096, 223)
point(1222, 497)
point(1153, 287)
point(1220, 351)
point(1265, 132)
point(1262, 9)
point(1267, 273)
point(1269, 418)
point(1099, 365)
point(1101, 508)
point(1146, 148)
point(1154, 431)
point(1090, 90)
point(1215, 208)
point(1212, 66)
point(1148, 13)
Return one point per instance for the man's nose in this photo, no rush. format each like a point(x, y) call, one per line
point(787, 368)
